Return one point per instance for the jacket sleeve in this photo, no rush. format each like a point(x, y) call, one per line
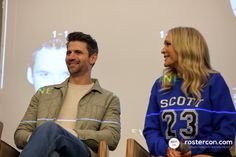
point(27, 124)
point(109, 129)
point(224, 116)
point(156, 142)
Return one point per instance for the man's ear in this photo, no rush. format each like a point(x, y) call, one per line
point(93, 58)
point(30, 75)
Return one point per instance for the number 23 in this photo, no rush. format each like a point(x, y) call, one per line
point(191, 116)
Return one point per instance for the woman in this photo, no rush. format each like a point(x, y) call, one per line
point(190, 102)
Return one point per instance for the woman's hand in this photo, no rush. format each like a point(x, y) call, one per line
point(174, 153)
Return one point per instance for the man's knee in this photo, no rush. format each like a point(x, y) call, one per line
point(48, 126)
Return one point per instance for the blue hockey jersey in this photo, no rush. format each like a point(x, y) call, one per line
point(197, 122)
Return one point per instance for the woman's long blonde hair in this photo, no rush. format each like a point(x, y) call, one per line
point(193, 61)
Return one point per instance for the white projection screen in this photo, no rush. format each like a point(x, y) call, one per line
point(129, 35)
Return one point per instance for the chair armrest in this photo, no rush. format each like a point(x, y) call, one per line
point(7, 151)
point(103, 150)
point(1, 127)
point(134, 149)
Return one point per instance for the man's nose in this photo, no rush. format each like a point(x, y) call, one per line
point(72, 55)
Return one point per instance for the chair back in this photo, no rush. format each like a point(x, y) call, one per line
point(134, 149)
point(5, 149)
point(103, 150)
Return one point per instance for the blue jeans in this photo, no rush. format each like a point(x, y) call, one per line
point(50, 140)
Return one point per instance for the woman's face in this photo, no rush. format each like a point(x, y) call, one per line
point(170, 56)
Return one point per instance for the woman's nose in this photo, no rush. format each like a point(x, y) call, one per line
point(163, 50)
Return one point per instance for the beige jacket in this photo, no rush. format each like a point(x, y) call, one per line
point(98, 115)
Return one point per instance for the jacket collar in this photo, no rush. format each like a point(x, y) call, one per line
point(96, 86)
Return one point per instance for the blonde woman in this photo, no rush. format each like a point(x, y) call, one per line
point(190, 102)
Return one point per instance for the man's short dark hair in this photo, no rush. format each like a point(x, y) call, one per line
point(80, 36)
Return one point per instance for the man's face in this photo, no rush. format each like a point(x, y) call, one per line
point(49, 67)
point(77, 59)
point(233, 5)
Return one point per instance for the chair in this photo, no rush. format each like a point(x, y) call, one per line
point(103, 150)
point(134, 149)
point(8, 151)
point(5, 149)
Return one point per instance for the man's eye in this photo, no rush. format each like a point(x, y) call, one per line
point(78, 52)
point(43, 73)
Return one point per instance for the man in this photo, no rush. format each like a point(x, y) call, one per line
point(48, 65)
point(69, 119)
point(233, 5)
